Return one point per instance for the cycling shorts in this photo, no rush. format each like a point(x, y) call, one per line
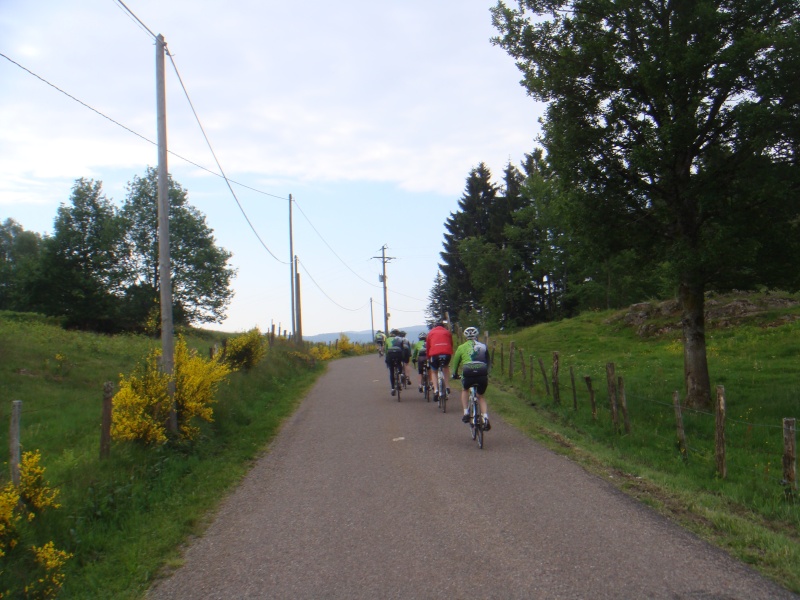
point(439, 360)
point(421, 362)
point(394, 354)
point(482, 381)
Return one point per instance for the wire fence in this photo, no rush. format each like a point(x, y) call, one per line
point(698, 433)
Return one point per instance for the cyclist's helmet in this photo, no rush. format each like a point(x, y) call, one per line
point(471, 333)
point(394, 333)
point(423, 335)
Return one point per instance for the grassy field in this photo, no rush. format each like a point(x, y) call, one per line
point(125, 517)
point(754, 352)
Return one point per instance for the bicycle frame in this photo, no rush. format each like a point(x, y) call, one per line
point(475, 418)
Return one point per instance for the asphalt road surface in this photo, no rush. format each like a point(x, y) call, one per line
point(361, 496)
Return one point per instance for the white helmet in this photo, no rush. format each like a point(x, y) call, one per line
point(471, 333)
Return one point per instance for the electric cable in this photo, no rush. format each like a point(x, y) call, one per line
point(135, 18)
point(139, 135)
point(329, 246)
point(219, 166)
point(326, 295)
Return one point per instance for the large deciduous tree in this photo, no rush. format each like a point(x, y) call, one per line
point(19, 256)
point(200, 273)
point(80, 274)
point(678, 123)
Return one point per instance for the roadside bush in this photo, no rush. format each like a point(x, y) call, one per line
point(243, 352)
point(142, 404)
point(27, 570)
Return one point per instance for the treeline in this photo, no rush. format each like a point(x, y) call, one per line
point(99, 268)
point(668, 166)
point(515, 254)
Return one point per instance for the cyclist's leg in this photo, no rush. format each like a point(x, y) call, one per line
point(446, 371)
point(482, 385)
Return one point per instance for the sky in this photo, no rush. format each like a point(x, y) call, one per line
point(370, 114)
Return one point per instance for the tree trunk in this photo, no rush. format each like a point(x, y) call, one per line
point(695, 362)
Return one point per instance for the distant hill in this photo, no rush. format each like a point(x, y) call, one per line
point(412, 333)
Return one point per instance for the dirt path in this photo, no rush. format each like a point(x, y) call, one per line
point(362, 496)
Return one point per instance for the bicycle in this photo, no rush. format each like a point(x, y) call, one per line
point(398, 378)
point(442, 390)
point(426, 384)
point(475, 417)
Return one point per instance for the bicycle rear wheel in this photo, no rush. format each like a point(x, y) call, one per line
point(398, 385)
point(442, 392)
point(479, 431)
point(473, 422)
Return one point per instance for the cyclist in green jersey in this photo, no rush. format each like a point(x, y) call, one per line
point(473, 358)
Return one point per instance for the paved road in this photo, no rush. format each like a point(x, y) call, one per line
point(364, 497)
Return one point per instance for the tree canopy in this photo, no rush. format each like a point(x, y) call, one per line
point(99, 269)
point(673, 130)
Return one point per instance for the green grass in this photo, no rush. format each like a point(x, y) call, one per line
point(749, 513)
point(126, 517)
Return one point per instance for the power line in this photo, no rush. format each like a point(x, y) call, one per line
point(139, 135)
point(135, 18)
point(330, 248)
point(155, 144)
point(326, 295)
point(219, 166)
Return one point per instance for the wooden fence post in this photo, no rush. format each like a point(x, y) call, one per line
point(13, 440)
point(544, 376)
point(719, 437)
point(502, 360)
point(623, 403)
point(556, 392)
point(612, 395)
point(790, 454)
point(588, 381)
point(676, 402)
point(530, 382)
point(522, 364)
point(574, 391)
point(511, 361)
point(105, 421)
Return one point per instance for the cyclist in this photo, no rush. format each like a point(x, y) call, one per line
point(380, 340)
point(419, 356)
point(394, 354)
point(473, 358)
point(439, 347)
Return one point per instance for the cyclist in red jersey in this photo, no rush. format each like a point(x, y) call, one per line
point(439, 348)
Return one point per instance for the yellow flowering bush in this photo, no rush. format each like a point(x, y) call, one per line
point(196, 384)
point(33, 489)
point(244, 351)
point(41, 566)
point(9, 517)
point(323, 352)
point(142, 404)
point(50, 578)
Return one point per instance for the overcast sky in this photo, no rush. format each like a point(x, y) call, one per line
point(370, 113)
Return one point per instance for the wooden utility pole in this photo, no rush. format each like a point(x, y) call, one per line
point(299, 330)
point(384, 260)
point(164, 281)
point(372, 320)
point(292, 266)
